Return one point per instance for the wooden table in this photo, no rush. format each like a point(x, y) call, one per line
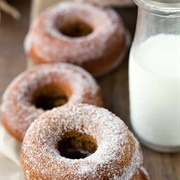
point(114, 85)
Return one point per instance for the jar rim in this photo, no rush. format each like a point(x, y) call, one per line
point(159, 7)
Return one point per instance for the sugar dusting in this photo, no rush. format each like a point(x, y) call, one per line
point(110, 2)
point(117, 155)
point(18, 111)
point(74, 50)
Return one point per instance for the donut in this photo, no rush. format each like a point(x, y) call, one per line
point(79, 33)
point(43, 88)
point(110, 2)
point(80, 142)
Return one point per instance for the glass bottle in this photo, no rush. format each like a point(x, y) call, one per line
point(154, 75)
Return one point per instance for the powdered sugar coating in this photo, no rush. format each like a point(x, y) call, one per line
point(18, 111)
point(110, 2)
point(118, 155)
point(45, 42)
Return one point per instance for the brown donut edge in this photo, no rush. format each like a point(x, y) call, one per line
point(142, 174)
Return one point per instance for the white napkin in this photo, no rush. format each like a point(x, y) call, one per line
point(10, 167)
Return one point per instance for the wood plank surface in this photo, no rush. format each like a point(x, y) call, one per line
point(114, 85)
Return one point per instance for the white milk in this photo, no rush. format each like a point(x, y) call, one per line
point(155, 90)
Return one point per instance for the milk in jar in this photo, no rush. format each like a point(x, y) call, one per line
point(154, 82)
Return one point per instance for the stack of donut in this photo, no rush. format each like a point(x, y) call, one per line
point(53, 107)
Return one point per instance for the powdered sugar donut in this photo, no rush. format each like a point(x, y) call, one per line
point(41, 89)
point(109, 150)
point(83, 34)
point(110, 2)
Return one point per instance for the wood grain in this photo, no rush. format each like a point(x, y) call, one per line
point(114, 85)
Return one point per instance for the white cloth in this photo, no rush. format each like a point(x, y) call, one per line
point(10, 167)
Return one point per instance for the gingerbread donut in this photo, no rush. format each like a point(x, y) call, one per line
point(80, 142)
point(83, 34)
point(42, 88)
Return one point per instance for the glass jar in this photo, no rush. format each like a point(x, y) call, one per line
point(154, 75)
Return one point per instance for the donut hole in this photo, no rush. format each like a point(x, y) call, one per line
point(74, 28)
point(49, 97)
point(77, 146)
point(49, 102)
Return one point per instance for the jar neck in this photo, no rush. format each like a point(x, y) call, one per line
point(153, 24)
point(170, 7)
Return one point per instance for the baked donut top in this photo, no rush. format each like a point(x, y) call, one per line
point(118, 154)
point(50, 32)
